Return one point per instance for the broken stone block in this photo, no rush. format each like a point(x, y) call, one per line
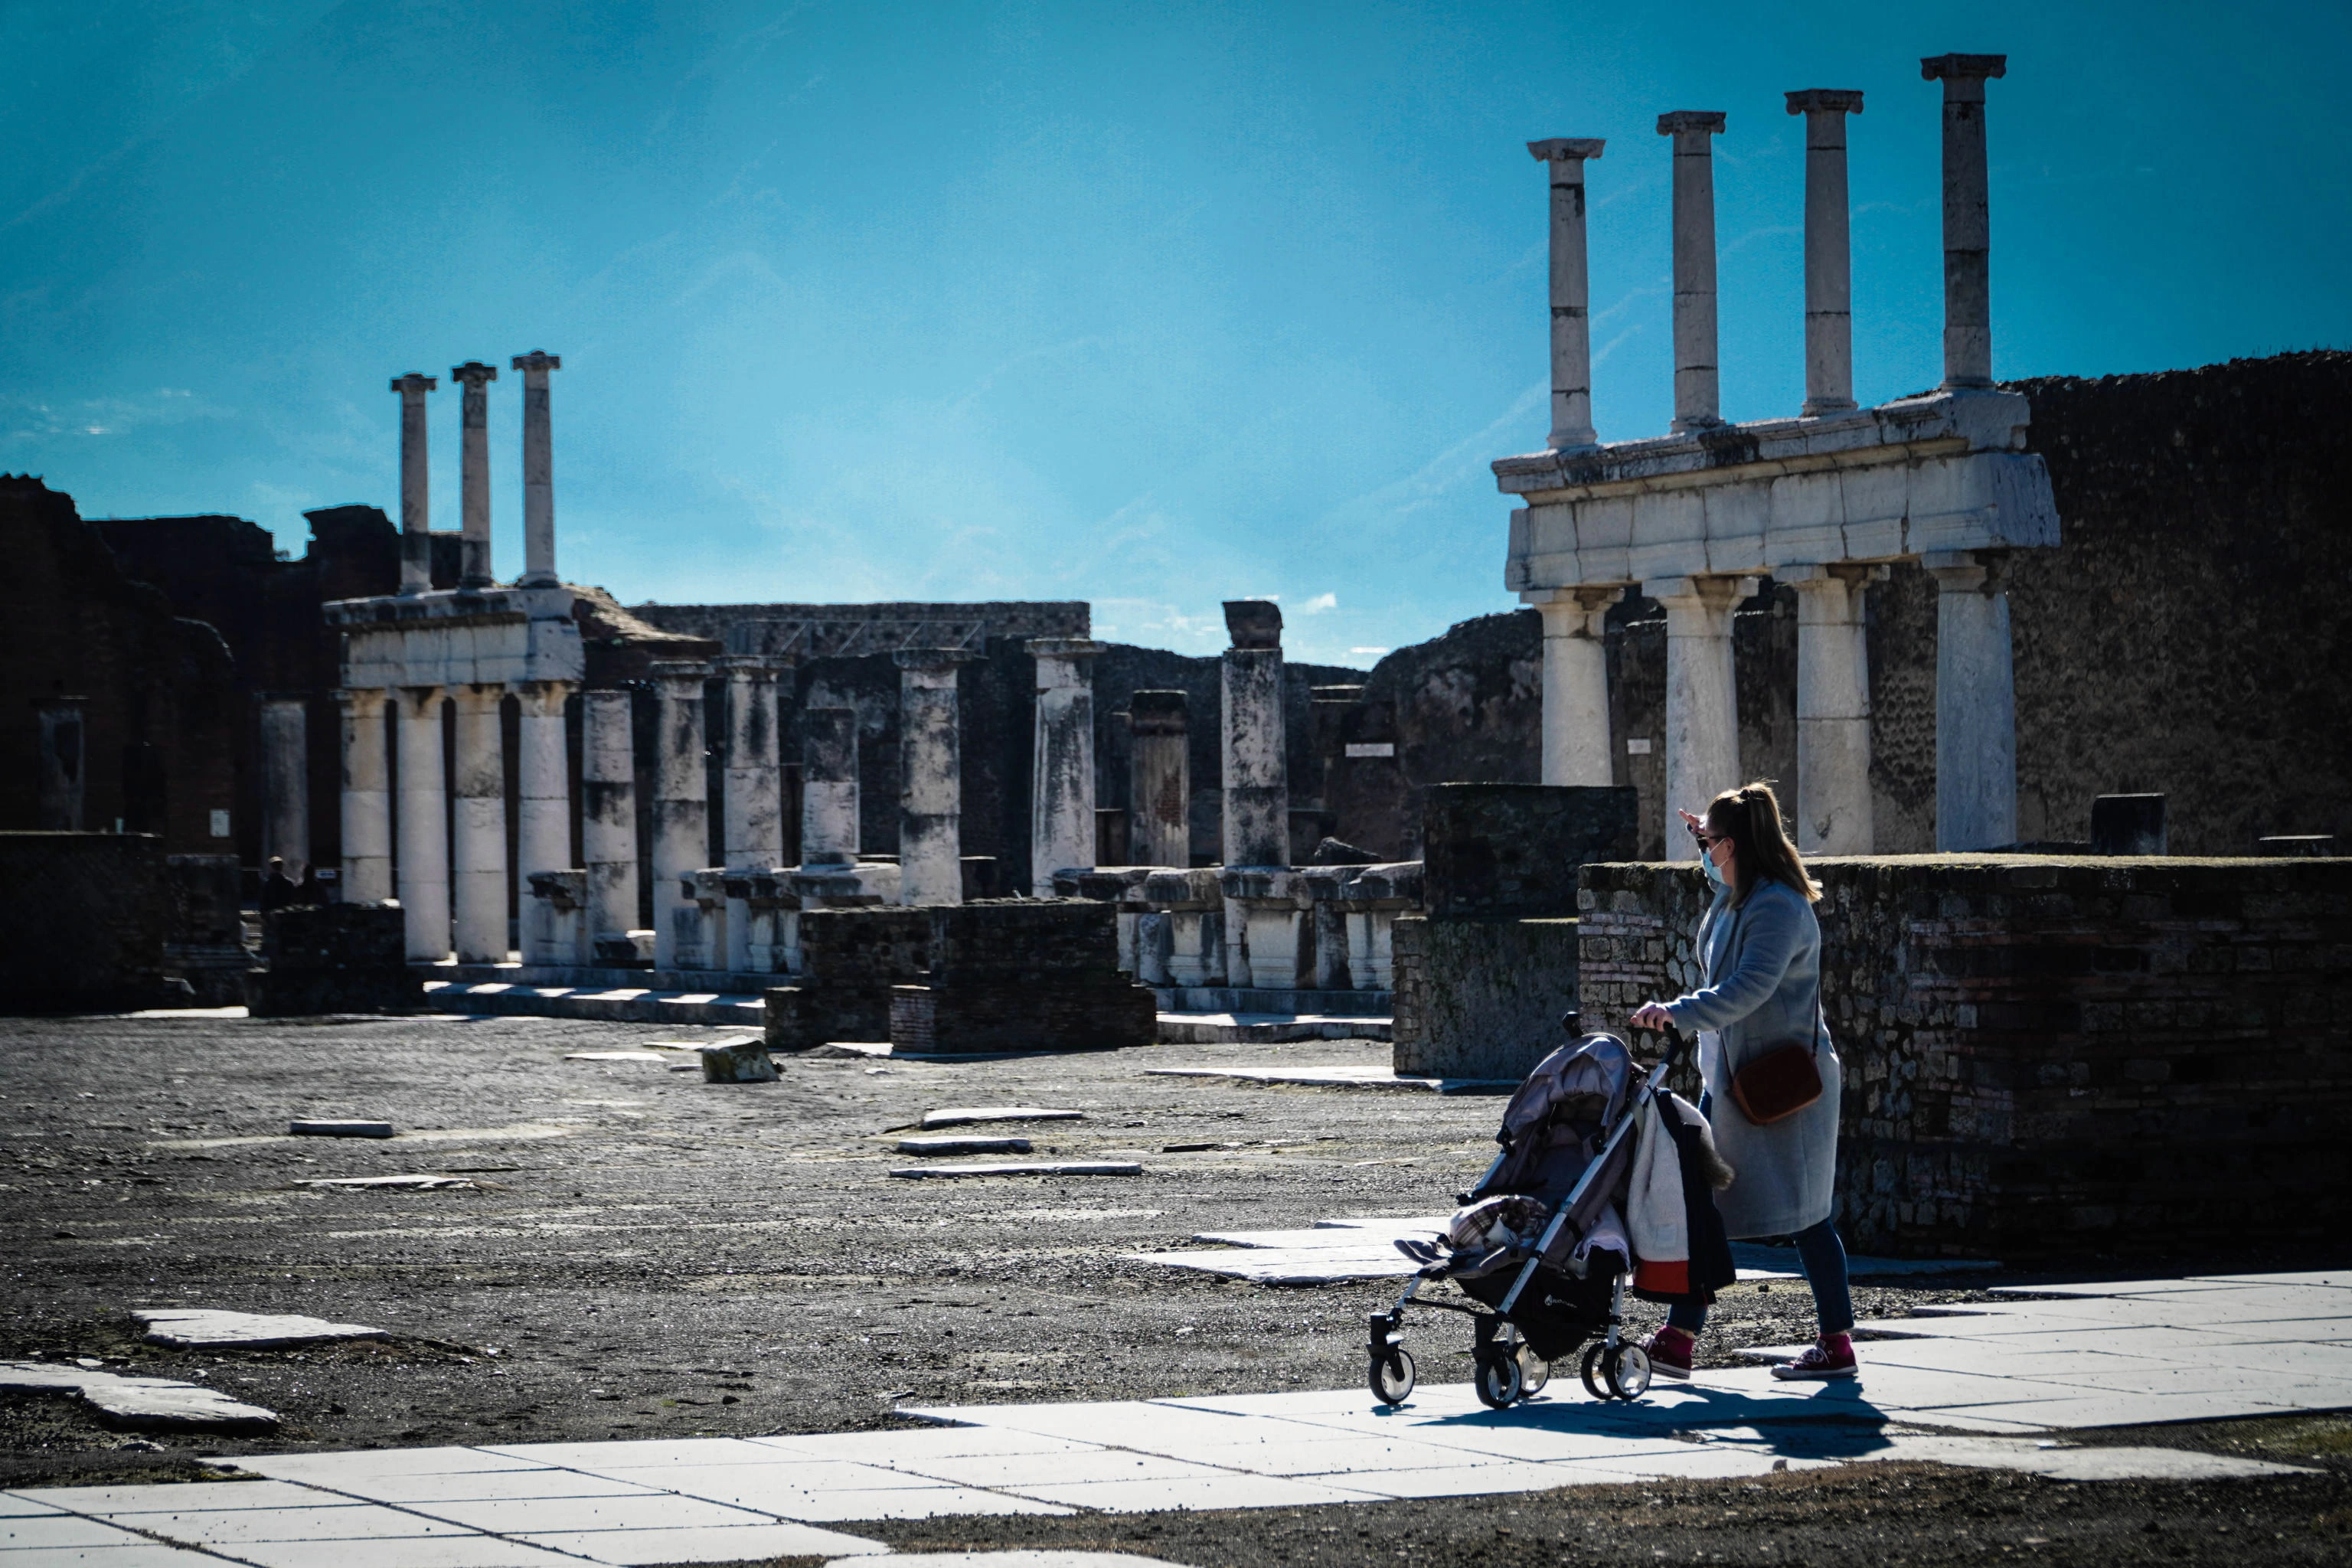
point(189, 1328)
point(144, 1404)
point(737, 1061)
point(974, 1115)
point(963, 1145)
point(418, 1184)
point(326, 1128)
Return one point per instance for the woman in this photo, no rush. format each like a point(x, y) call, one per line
point(1761, 949)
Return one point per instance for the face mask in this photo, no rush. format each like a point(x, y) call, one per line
point(1708, 869)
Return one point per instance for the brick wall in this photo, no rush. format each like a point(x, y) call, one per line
point(2055, 1058)
point(1023, 974)
point(83, 920)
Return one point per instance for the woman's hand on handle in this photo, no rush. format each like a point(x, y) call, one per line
point(1653, 1014)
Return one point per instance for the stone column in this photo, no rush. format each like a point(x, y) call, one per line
point(1976, 705)
point(930, 777)
point(829, 786)
point(1257, 787)
point(424, 881)
point(1571, 326)
point(1160, 778)
point(63, 786)
point(285, 737)
point(474, 471)
point(1576, 685)
point(752, 831)
point(538, 470)
point(1968, 218)
point(681, 810)
point(1698, 393)
point(1833, 810)
point(477, 845)
point(367, 798)
point(1828, 249)
point(1062, 800)
point(544, 835)
point(416, 484)
point(608, 817)
point(1702, 701)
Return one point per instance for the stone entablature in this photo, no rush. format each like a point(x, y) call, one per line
point(460, 637)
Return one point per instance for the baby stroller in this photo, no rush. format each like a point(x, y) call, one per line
point(1539, 1250)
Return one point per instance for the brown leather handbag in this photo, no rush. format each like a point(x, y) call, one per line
point(1777, 1084)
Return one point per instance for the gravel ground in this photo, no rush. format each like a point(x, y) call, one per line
point(643, 1254)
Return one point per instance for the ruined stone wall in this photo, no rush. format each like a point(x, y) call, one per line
point(2055, 1058)
point(84, 918)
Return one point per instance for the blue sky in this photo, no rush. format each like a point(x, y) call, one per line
point(1150, 305)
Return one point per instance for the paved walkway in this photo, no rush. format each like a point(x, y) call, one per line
point(1986, 1386)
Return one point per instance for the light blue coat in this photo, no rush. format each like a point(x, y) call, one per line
point(1763, 963)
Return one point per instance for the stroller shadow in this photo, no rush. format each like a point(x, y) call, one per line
point(1826, 1421)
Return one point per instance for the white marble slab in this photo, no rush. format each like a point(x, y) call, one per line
point(748, 1543)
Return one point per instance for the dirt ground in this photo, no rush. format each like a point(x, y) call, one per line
point(643, 1254)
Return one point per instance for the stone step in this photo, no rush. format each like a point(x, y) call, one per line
point(1266, 1029)
point(733, 1010)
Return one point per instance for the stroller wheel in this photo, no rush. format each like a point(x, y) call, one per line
point(1594, 1385)
point(1391, 1375)
point(1499, 1382)
point(1534, 1373)
point(1629, 1372)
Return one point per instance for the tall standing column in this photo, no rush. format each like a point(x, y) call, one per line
point(1968, 218)
point(1697, 390)
point(930, 777)
point(1257, 781)
point(474, 471)
point(1160, 778)
point(829, 804)
point(1976, 705)
point(477, 847)
point(416, 484)
point(1834, 810)
point(1702, 699)
point(423, 880)
point(681, 810)
point(63, 786)
point(1062, 801)
point(608, 817)
point(544, 833)
point(367, 798)
point(1828, 249)
point(752, 831)
point(285, 736)
point(1576, 686)
point(538, 470)
point(1572, 324)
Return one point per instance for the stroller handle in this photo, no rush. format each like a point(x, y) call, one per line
point(1677, 1043)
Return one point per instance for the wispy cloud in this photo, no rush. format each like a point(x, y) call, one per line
point(1318, 603)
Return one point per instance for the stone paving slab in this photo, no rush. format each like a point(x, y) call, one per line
point(620, 1004)
point(745, 1544)
point(148, 1404)
point(1268, 1028)
point(184, 1329)
point(1369, 1076)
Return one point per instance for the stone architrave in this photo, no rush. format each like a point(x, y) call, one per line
point(366, 799)
point(63, 785)
point(473, 470)
point(681, 813)
point(608, 816)
point(416, 484)
point(1967, 217)
point(753, 830)
point(1976, 705)
point(1697, 390)
point(1576, 685)
point(829, 800)
point(930, 776)
point(1062, 800)
point(423, 865)
point(1572, 325)
point(543, 831)
point(1828, 249)
point(1833, 808)
point(285, 738)
point(538, 470)
point(1702, 700)
point(1256, 784)
point(477, 847)
point(1160, 778)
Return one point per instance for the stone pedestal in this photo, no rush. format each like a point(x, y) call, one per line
point(555, 919)
point(1194, 908)
point(1832, 806)
point(1062, 801)
point(1267, 920)
point(1575, 685)
point(1160, 779)
point(681, 808)
point(608, 819)
point(1976, 706)
point(1698, 396)
point(1256, 784)
point(424, 869)
point(285, 736)
point(538, 470)
point(1572, 325)
point(930, 777)
point(1702, 701)
point(474, 471)
point(478, 844)
point(366, 799)
point(416, 484)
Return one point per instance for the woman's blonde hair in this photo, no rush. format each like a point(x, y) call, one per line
point(1750, 817)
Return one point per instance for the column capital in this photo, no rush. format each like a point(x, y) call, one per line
point(474, 373)
point(1689, 121)
point(678, 669)
point(1254, 622)
point(1063, 648)
point(932, 658)
point(415, 384)
point(1713, 593)
point(538, 361)
point(752, 664)
point(1584, 595)
point(1825, 100)
point(1566, 149)
point(1956, 72)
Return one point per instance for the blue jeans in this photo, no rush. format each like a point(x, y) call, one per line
point(1822, 1256)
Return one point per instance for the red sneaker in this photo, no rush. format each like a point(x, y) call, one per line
point(1832, 1356)
point(1670, 1353)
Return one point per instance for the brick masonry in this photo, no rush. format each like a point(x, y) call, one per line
point(333, 958)
point(84, 918)
point(1033, 975)
point(849, 960)
point(2055, 1058)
